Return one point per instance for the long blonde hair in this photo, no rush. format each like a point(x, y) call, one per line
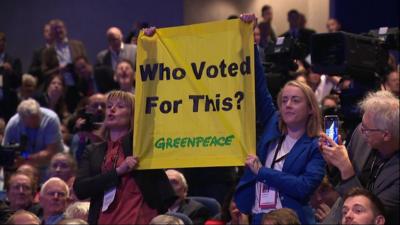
point(314, 121)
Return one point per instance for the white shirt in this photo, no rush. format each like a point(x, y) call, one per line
point(286, 147)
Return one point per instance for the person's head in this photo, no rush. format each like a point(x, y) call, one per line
point(283, 216)
point(78, 210)
point(299, 109)
point(392, 82)
point(53, 197)
point(2, 42)
point(119, 111)
point(166, 219)
point(97, 104)
point(362, 207)
point(63, 166)
point(313, 79)
point(31, 171)
point(302, 20)
point(325, 194)
point(114, 38)
point(333, 25)
point(330, 105)
point(23, 217)
point(293, 18)
point(178, 183)
point(125, 75)
point(55, 85)
point(72, 222)
point(47, 35)
point(83, 68)
point(380, 121)
point(266, 13)
point(58, 30)
point(28, 85)
point(20, 191)
point(29, 112)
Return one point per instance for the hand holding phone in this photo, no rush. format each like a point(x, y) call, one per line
point(331, 124)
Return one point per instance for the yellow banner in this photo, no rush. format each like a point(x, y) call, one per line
point(195, 104)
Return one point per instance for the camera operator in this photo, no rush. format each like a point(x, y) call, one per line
point(88, 124)
point(37, 131)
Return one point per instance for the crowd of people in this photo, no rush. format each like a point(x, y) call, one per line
point(69, 126)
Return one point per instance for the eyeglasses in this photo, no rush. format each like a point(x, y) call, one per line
point(366, 131)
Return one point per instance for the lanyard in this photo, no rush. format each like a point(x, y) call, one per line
point(278, 148)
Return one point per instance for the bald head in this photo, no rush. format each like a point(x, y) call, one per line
point(114, 37)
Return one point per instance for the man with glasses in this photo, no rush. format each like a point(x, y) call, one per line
point(53, 200)
point(371, 160)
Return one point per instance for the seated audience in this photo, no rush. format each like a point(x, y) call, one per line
point(283, 216)
point(63, 166)
point(21, 190)
point(53, 98)
point(362, 207)
point(72, 222)
point(28, 87)
point(23, 217)
point(371, 159)
point(392, 83)
point(323, 199)
point(194, 210)
point(78, 210)
point(166, 219)
point(53, 200)
point(10, 67)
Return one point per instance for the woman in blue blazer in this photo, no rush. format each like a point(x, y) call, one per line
point(288, 166)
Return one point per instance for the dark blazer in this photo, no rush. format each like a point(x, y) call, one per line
point(91, 182)
point(50, 61)
point(197, 212)
point(304, 37)
point(12, 79)
point(128, 53)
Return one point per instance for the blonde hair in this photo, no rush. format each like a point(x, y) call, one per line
point(314, 122)
point(27, 78)
point(77, 210)
point(383, 106)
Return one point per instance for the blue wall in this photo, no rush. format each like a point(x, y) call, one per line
point(86, 20)
point(358, 16)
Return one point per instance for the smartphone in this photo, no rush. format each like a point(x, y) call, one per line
point(331, 123)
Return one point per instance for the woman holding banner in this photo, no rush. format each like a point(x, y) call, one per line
point(118, 193)
point(288, 166)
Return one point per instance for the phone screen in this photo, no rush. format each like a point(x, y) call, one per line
point(332, 127)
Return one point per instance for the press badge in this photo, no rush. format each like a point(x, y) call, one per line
point(108, 198)
point(267, 197)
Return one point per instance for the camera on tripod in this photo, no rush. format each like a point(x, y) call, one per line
point(8, 153)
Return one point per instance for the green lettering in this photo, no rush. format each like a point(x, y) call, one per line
point(176, 142)
point(169, 143)
point(191, 142)
point(183, 142)
point(160, 143)
point(206, 141)
point(229, 139)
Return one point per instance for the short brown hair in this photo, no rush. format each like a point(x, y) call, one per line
point(282, 216)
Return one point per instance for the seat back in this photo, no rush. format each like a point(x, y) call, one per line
point(211, 204)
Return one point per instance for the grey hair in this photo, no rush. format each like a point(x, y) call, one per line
point(22, 212)
point(166, 219)
point(53, 179)
point(383, 106)
point(28, 108)
point(180, 175)
point(77, 210)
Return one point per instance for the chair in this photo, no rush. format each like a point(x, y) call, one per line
point(185, 219)
point(211, 204)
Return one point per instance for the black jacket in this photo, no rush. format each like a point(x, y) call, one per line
point(91, 183)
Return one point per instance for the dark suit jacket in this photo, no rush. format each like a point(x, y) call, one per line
point(91, 182)
point(128, 53)
point(387, 184)
point(50, 62)
point(197, 212)
point(12, 79)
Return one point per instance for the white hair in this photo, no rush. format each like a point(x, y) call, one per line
point(383, 107)
point(54, 179)
point(77, 210)
point(28, 107)
point(180, 175)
